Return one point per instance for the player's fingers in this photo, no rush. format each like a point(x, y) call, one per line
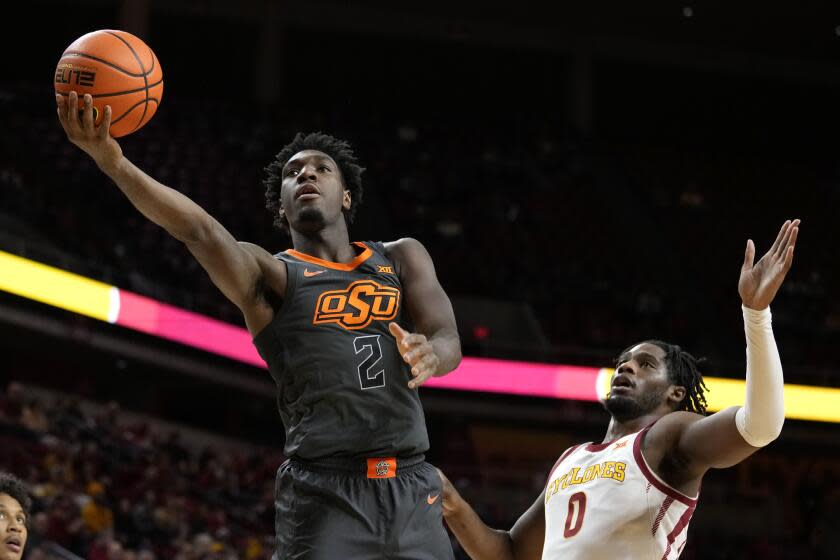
point(749, 255)
point(422, 376)
point(87, 115)
point(420, 379)
point(61, 109)
point(412, 356)
point(428, 363)
point(417, 353)
point(105, 125)
point(790, 239)
point(788, 259)
point(398, 332)
point(794, 233)
point(72, 110)
point(782, 248)
point(412, 340)
point(443, 479)
point(779, 237)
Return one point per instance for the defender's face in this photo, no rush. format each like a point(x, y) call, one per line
point(13, 531)
point(640, 383)
point(312, 192)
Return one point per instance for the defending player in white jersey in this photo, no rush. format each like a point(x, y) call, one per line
point(632, 496)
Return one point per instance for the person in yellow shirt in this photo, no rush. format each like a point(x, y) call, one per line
point(96, 514)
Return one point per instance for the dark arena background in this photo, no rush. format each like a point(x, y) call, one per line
point(584, 175)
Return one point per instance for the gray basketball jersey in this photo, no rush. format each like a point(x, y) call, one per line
point(342, 386)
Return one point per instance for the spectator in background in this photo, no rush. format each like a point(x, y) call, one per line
point(96, 514)
point(11, 407)
point(146, 554)
point(33, 416)
point(14, 515)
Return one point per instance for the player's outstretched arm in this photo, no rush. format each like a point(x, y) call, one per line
point(435, 349)
point(523, 542)
point(730, 436)
point(235, 268)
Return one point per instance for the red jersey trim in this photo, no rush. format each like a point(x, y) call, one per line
point(565, 454)
point(678, 528)
point(352, 265)
point(654, 479)
point(600, 446)
point(663, 509)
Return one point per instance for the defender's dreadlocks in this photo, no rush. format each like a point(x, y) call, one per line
point(14, 487)
point(683, 370)
point(339, 150)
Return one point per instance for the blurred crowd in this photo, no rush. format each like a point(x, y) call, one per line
point(606, 241)
point(108, 489)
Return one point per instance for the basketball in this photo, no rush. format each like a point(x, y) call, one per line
point(117, 69)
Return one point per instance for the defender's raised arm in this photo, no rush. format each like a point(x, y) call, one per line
point(730, 436)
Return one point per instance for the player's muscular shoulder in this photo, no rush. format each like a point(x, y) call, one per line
point(405, 252)
point(662, 451)
point(664, 435)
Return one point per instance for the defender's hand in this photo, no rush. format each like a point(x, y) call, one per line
point(759, 283)
point(417, 352)
point(450, 495)
point(93, 140)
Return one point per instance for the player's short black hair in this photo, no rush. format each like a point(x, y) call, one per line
point(683, 370)
point(14, 487)
point(339, 150)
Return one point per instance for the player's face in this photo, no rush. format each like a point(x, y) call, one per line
point(13, 531)
point(313, 194)
point(641, 383)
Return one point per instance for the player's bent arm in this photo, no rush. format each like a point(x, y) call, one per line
point(523, 542)
point(528, 533)
point(427, 303)
point(728, 437)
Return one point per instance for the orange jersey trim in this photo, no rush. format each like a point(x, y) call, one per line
point(352, 265)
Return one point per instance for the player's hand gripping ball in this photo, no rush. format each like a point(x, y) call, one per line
point(117, 69)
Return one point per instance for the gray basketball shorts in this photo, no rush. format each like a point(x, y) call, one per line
point(360, 509)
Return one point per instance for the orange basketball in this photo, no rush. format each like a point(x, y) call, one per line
point(117, 69)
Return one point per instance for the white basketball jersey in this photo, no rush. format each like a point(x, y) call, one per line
point(604, 502)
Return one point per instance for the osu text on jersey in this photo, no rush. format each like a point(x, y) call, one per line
point(357, 305)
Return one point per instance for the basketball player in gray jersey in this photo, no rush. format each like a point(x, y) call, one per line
point(326, 318)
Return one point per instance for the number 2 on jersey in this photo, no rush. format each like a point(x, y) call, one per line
point(574, 518)
point(371, 371)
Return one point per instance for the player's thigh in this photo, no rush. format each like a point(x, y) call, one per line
point(422, 535)
point(324, 516)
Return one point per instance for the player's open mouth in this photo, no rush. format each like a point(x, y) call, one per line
point(307, 191)
point(13, 544)
point(621, 382)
